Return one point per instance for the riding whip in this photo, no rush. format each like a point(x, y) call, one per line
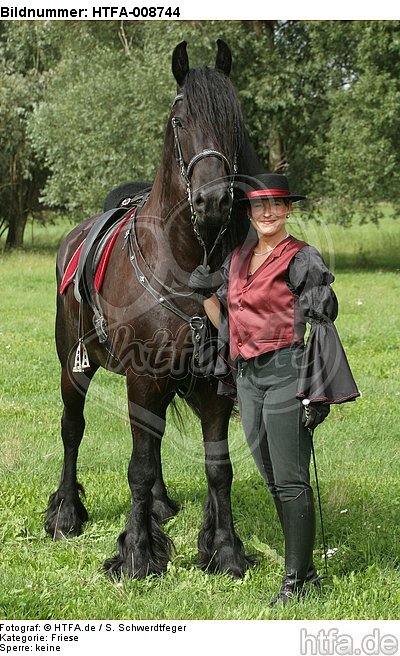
point(306, 403)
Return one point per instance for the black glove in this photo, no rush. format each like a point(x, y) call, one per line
point(314, 414)
point(204, 282)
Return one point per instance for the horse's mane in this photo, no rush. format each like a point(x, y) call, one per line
point(212, 103)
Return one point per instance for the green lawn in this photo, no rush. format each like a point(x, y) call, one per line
point(357, 449)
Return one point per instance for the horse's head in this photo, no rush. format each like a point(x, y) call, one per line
point(208, 133)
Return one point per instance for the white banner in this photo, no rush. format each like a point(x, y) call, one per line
point(180, 638)
point(195, 10)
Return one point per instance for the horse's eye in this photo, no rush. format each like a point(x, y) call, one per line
point(178, 122)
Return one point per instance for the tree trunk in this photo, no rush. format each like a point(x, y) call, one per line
point(16, 229)
point(276, 155)
point(17, 211)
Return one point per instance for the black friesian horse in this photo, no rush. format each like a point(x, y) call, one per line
point(191, 200)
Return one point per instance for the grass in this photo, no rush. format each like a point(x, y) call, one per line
point(357, 451)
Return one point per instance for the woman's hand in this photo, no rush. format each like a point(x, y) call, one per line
point(204, 282)
point(314, 414)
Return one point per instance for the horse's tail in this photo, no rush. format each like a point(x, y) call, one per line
point(178, 414)
point(178, 411)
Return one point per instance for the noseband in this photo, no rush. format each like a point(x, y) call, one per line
point(186, 173)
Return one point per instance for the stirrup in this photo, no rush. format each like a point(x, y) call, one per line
point(81, 358)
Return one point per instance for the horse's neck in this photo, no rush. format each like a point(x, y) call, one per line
point(166, 220)
point(168, 192)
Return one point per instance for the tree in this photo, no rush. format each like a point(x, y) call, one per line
point(20, 182)
point(362, 161)
point(84, 106)
point(103, 117)
point(23, 56)
point(293, 68)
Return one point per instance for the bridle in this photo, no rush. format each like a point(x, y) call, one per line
point(186, 173)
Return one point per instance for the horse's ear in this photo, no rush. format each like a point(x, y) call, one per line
point(180, 63)
point(224, 57)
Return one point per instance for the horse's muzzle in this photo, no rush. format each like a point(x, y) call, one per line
point(213, 205)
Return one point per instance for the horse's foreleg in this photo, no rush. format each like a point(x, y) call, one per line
point(163, 507)
point(220, 549)
point(143, 548)
point(66, 513)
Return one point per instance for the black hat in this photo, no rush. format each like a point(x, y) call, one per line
point(269, 185)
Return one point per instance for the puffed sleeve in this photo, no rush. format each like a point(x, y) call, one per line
point(325, 372)
point(225, 369)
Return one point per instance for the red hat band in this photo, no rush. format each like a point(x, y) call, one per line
point(261, 193)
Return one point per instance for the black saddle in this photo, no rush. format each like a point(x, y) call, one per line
point(96, 241)
point(126, 194)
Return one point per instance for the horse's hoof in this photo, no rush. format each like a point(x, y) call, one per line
point(226, 561)
point(58, 535)
point(137, 563)
point(65, 518)
point(116, 567)
point(162, 510)
point(134, 567)
point(63, 530)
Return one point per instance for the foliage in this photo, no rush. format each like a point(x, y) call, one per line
point(98, 125)
point(366, 120)
point(107, 117)
point(84, 107)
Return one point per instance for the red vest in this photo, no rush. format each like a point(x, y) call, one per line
point(263, 313)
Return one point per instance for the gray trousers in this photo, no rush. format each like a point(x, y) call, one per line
point(271, 419)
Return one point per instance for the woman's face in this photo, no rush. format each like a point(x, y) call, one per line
point(268, 215)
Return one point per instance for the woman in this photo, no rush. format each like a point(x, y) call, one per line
point(273, 284)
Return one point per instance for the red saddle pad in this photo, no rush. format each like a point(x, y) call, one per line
point(70, 271)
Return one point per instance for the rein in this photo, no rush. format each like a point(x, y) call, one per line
point(186, 173)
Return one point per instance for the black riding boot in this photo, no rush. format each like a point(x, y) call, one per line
point(312, 574)
point(299, 528)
